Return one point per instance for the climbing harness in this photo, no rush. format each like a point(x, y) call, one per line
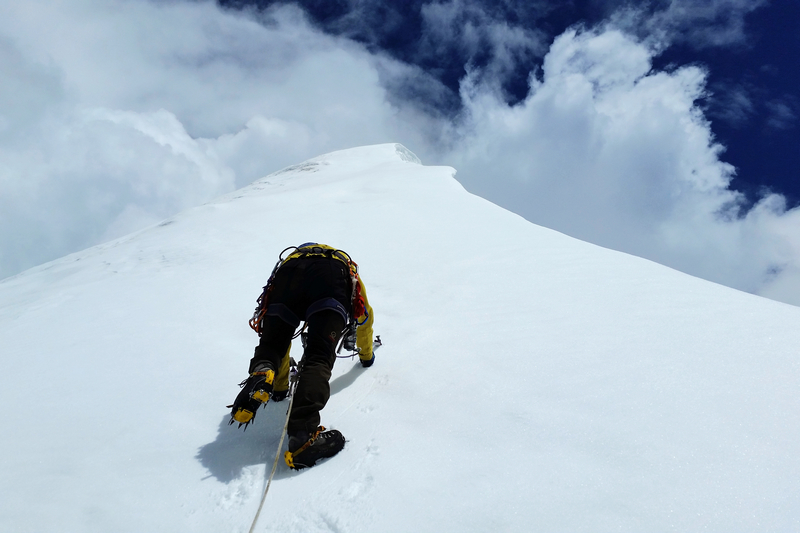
point(307, 250)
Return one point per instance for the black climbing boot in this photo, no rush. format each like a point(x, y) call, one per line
point(306, 449)
point(255, 392)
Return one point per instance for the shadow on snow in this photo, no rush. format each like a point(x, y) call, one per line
point(234, 449)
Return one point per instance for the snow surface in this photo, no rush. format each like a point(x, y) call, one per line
point(528, 381)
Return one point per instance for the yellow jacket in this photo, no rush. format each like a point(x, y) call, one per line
point(363, 333)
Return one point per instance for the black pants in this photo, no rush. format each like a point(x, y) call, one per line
point(299, 285)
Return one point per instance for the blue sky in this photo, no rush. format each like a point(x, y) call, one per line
point(755, 103)
point(664, 131)
point(749, 50)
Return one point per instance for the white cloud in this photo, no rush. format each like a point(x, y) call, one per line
point(608, 151)
point(116, 114)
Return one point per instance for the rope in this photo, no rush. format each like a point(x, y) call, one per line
point(277, 455)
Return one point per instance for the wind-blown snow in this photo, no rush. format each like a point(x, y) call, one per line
point(528, 381)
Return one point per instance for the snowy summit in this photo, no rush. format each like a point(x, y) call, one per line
point(528, 381)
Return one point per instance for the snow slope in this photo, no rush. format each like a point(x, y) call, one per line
point(528, 381)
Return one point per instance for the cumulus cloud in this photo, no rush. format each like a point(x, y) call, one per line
point(116, 114)
point(611, 152)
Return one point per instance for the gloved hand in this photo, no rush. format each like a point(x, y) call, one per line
point(279, 395)
point(367, 362)
point(349, 342)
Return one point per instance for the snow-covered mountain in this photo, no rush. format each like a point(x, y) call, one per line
point(528, 381)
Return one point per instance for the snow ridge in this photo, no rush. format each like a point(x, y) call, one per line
point(528, 381)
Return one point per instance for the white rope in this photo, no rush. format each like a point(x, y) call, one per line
point(277, 455)
point(377, 343)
